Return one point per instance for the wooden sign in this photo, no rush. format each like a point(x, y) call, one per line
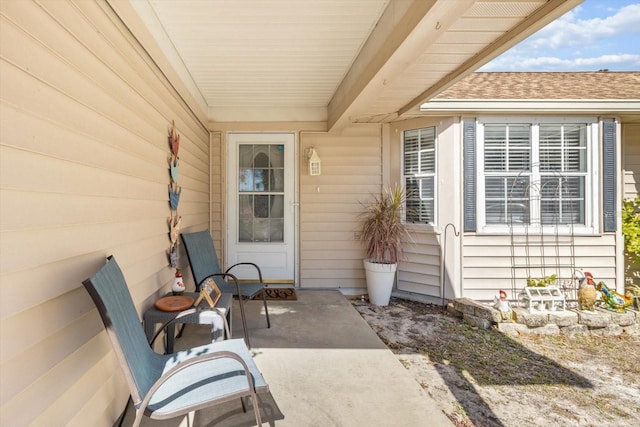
point(210, 292)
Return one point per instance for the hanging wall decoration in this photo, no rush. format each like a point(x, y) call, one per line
point(174, 196)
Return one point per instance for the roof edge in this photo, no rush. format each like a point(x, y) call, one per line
point(543, 105)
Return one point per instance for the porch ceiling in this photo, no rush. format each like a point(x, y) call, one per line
point(337, 61)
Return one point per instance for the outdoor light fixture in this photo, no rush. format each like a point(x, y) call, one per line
point(314, 162)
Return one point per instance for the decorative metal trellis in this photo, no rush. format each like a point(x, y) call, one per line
point(543, 247)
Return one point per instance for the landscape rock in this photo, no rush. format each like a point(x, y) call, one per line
point(532, 320)
point(465, 305)
point(548, 329)
point(563, 318)
point(477, 321)
point(569, 322)
point(622, 319)
point(471, 307)
point(595, 319)
point(454, 308)
point(607, 331)
point(488, 313)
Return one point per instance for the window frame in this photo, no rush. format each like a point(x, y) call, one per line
point(592, 177)
point(433, 175)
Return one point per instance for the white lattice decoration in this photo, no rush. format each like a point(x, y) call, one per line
point(547, 298)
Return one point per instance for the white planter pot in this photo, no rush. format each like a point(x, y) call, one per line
point(380, 279)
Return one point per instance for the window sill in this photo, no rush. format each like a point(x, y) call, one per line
point(536, 231)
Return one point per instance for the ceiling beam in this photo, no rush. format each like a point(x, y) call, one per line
point(376, 59)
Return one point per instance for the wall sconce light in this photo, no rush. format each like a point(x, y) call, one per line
point(314, 162)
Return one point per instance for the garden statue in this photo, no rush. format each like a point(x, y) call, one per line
point(178, 286)
point(503, 306)
point(587, 293)
point(613, 300)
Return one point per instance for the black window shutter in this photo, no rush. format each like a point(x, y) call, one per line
point(469, 152)
point(609, 190)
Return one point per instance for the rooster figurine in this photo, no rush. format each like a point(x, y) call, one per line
point(503, 306)
point(587, 293)
point(615, 301)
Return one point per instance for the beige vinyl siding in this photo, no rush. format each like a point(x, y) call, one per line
point(83, 174)
point(330, 256)
point(487, 263)
point(419, 272)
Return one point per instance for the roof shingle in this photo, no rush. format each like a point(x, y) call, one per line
point(546, 85)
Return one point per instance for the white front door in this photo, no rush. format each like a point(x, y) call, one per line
point(260, 204)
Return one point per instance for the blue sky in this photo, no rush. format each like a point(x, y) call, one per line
point(598, 34)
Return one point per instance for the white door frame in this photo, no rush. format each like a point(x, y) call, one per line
point(232, 254)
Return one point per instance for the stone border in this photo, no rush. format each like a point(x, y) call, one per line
point(569, 322)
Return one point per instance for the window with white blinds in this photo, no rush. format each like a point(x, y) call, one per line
point(507, 167)
point(563, 172)
point(419, 174)
point(535, 174)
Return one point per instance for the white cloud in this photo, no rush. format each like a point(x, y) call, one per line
point(576, 43)
point(569, 30)
point(609, 59)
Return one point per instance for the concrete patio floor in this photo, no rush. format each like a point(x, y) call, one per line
point(325, 367)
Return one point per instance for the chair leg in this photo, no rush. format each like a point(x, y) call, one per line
point(184, 325)
point(266, 310)
point(244, 321)
point(256, 409)
point(138, 419)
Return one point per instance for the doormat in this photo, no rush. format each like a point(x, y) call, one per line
point(281, 294)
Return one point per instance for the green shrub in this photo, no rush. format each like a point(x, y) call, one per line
point(631, 232)
point(539, 283)
point(631, 229)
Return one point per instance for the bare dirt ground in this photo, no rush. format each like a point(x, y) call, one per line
point(485, 378)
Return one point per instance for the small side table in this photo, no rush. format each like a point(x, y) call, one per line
point(154, 316)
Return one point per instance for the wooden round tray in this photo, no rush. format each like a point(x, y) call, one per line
point(174, 303)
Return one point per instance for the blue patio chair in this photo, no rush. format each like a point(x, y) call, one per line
point(167, 386)
point(204, 264)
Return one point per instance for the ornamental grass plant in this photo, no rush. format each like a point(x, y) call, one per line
point(383, 229)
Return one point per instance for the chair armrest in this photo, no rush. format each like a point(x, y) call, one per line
point(194, 361)
point(248, 263)
point(223, 275)
point(189, 312)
